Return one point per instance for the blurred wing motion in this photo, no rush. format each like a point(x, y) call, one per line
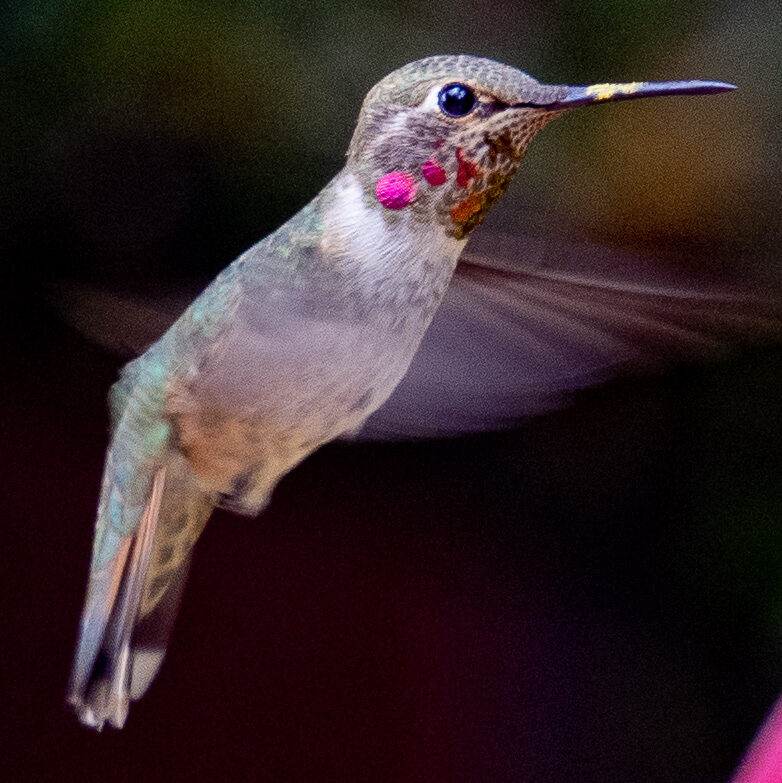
point(123, 323)
point(524, 325)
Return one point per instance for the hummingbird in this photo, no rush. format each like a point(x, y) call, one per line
point(298, 341)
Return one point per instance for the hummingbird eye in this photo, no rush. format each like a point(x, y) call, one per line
point(456, 100)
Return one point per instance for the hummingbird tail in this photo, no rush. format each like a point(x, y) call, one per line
point(132, 600)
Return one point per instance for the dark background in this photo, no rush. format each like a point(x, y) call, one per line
point(595, 596)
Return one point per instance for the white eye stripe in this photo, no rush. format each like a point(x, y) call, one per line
point(431, 101)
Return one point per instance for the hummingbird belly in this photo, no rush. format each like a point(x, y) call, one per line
point(263, 399)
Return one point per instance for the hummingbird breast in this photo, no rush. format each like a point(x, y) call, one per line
point(308, 353)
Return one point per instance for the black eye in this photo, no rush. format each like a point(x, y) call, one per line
point(456, 100)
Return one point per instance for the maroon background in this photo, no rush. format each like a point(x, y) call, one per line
point(530, 606)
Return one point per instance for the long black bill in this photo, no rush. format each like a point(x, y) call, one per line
point(583, 95)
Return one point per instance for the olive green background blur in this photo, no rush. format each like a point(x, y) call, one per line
point(152, 136)
point(595, 597)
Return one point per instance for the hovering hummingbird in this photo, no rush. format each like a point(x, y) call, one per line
point(300, 340)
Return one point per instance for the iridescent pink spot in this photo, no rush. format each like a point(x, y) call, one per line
point(433, 172)
point(396, 189)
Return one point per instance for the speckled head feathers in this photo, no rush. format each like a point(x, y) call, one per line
point(409, 84)
point(411, 154)
point(442, 137)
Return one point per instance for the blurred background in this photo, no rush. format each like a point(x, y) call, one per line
point(594, 596)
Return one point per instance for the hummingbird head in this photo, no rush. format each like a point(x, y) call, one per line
point(443, 136)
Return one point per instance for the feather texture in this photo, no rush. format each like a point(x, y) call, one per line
point(103, 664)
point(151, 512)
point(525, 324)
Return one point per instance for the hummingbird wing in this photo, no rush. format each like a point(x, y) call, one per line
point(525, 324)
point(123, 322)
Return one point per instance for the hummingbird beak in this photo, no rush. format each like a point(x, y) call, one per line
point(583, 95)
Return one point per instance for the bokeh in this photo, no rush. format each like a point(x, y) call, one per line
point(164, 137)
point(594, 597)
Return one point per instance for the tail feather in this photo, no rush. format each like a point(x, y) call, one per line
point(133, 599)
point(184, 511)
point(101, 673)
point(153, 630)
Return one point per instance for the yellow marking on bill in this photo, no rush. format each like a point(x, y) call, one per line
point(602, 92)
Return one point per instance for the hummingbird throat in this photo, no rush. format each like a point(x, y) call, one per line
point(454, 182)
